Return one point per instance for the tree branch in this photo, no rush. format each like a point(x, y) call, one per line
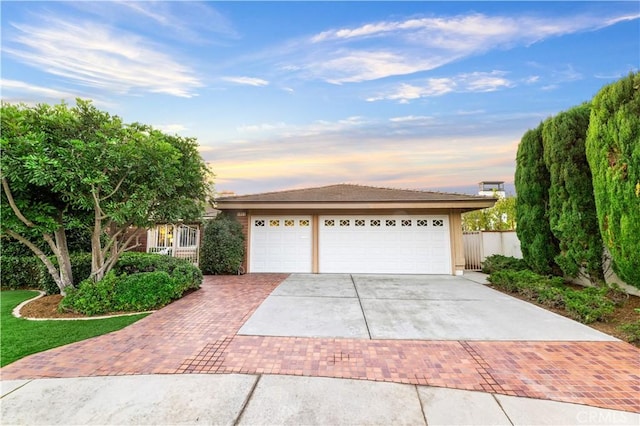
point(12, 203)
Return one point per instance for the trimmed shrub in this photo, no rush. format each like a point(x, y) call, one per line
point(19, 272)
point(588, 305)
point(498, 262)
point(144, 291)
point(222, 246)
point(30, 272)
point(613, 151)
point(572, 209)
point(532, 180)
point(92, 298)
point(138, 282)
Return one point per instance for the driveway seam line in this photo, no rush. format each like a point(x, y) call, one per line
point(246, 401)
point(482, 368)
point(424, 415)
point(502, 408)
point(366, 323)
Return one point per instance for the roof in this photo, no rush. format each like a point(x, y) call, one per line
point(350, 194)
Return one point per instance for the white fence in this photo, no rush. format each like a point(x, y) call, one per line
point(478, 245)
point(181, 241)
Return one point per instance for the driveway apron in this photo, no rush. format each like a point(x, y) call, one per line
point(200, 334)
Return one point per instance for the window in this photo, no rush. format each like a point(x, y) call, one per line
point(289, 222)
point(422, 222)
point(304, 222)
point(374, 222)
point(359, 222)
point(345, 222)
point(438, 222)
point(407, 222)
point(258, 222)
point(390, 222)
point(329, 222)
point(274, 222)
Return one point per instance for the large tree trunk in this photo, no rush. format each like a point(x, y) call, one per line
point(64, 260)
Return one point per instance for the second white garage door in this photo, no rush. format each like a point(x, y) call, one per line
point(384, 244)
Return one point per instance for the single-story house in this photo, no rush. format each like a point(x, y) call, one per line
point(353, 229)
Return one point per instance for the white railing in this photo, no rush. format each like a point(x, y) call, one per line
point(181, 241)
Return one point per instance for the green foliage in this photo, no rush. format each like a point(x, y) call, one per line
point(586, 305)
point(632, 330)
point(139, 282)
point(80, 265)
point(30, 272)
point(537, 242)
point(572, 211)
point(613, 151)
point(64, 166)
point(500, 217)
point(21, 337)
point(222, 246)
point(19, 272)
point(498, 262)
point(92, 298)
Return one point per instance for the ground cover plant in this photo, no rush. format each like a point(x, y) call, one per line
point(21, 337)
point(605, 308)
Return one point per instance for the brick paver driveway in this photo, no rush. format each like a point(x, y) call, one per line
point(197, 334)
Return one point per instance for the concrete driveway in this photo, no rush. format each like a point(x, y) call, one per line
point(421, 307)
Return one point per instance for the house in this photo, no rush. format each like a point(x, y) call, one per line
point(353, 229)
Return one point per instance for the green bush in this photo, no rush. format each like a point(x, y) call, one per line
point(19, 272)
point(144, 291)
point(30, 272)
point(497, 262)
point(613, 151)
point(92, 298)
point(632, 330)
point(586, 305)
point(138, 282)
point(222, 246)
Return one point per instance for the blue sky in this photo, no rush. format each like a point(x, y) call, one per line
point(428, 95)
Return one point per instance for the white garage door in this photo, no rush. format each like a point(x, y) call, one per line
point(385, 244)
point(280, 244)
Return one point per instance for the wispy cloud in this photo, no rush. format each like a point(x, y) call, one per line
point(171, 128)
point(468, 82)
point(100, 57)
point(250, 81)
point(423, 44)
point(20, 87)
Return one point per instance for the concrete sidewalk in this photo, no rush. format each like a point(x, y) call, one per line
point(274, 400)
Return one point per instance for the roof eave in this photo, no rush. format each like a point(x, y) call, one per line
point(356, 205)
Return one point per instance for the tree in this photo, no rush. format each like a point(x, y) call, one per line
point(500, 217)
point(222, 246)
point(539, 246)
point(613, 152)
point(68, 167)
point(572, 211)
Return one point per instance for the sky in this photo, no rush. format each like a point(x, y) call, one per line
point(283, 95)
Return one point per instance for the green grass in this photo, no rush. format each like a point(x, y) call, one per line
point(20, 337)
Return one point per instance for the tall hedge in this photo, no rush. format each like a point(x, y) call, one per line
point(613, 151)
point(532, 181)
point(222, 248)
point(572, 211)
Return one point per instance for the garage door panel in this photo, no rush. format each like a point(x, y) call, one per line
point(384, 244)
point(280, 244)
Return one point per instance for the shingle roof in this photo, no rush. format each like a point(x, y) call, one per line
point(348, 193)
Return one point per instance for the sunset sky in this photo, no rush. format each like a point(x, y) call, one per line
point(280, 95)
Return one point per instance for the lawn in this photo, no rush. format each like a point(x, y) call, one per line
point(20, 337)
